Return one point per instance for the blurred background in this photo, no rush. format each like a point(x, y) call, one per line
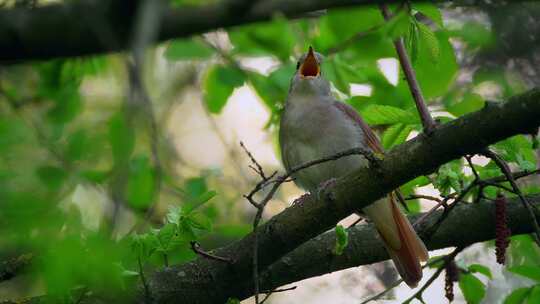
point(114, 162)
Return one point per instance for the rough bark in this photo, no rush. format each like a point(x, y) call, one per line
point(209, 281)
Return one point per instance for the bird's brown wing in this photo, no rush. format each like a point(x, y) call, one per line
point(371, 139)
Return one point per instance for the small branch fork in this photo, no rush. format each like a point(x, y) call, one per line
point(456, 198)
point(447, 259)
point(395, 284)
point(427, 121)
point(503, 166)
point(276, 181)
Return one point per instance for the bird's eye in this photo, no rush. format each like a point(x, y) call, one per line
point(297, 65)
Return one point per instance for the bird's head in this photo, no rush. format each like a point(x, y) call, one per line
point(308, 79)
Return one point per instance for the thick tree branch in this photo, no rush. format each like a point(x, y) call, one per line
point(284, 232)
point(95, 27)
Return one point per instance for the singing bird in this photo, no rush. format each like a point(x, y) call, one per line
point(314, 125)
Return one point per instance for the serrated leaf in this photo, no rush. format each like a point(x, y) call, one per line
point(165, 237)
point(472, 288)
point(218, 85)
point(187, 49)
point(531, 272)
point(431, 11)
point(429, 41)
point(382, 115)
point(477, 268)
point(518, 296)
point(342, 239)
point(395, 135)
point(199, 201)
point(412, 41)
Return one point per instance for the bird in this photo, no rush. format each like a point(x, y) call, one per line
point(315, 125)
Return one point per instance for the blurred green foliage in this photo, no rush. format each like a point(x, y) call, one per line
point(56, 141)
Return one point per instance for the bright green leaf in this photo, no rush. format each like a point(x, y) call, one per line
point(531, 272)
point(187, 49)
point(395, 135)
point(218, 85)
point(534, 295)
point(382, 115)
point(518, 296)
point(429, 41)
point(477, 268)
point(430, 10)
point(473, 289)
point(471, 102)
point(342, 239)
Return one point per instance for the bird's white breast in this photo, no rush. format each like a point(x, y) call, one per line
point(313, 129)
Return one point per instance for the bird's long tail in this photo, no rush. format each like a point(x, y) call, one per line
point(403, 244)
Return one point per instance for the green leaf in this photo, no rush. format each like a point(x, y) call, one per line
point(471, 102)
point(477, 268)
point(435, 79)
point(144, 245)
point(199, 221)
point(473, 289)
point(411, 41)
point(475, 35)
point(121, 138)
point(218, 85)
point(534, 295)
point(382, 115)
point(166, 236)
point(274, 37)
point(77, 145)
point(187, 49)
point(342, 239)
point(53, 177)
point(199, 201)
point(436, 262)
point(429, 41)
point(140, 186)
point(531, 272)
point(518, 296)
point(395, 135)
point(430, 10)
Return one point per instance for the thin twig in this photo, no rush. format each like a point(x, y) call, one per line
point(147, 295)
point(270, 292)
point(196, 247)
point(422, 196)
point(399, 281)
point(447, 259)
point(427, 121)
point(276, 183)
point(503, 166)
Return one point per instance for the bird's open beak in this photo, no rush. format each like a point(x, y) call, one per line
point(310, 66)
